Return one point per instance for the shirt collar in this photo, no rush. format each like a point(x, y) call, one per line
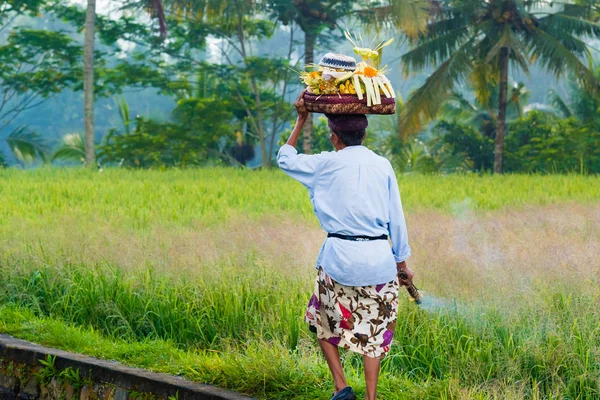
point(353, 147)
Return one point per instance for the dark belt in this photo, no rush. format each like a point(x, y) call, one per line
point(357, 238)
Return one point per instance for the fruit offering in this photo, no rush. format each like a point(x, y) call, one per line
point(342, 75)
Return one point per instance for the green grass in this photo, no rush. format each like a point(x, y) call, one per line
point(183, 198)
point(252, 340)
point(264, 369)
point(235, 320)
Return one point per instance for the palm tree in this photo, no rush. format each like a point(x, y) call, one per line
point(479, 40)
point(313, 17)
point(484, 117)
point(88, 84)
point(580, 104)
point(156, 9)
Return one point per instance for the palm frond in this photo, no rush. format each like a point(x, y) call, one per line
point(511, 41)
point(123, 108)
point(482, 79)
point(410, 16)
point(457, 108)
point(558, 59)
point(572, 25)
point(434, 51)
point(574, 44)
point(559, 103)
point(517, 98)
point(447, 25)
point(579, 8)
point(72, 148)
point(27, 145)
point(424, 103)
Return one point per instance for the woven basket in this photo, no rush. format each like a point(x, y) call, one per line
point(347, 104)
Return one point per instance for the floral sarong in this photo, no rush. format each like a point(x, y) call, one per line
point(357, 318)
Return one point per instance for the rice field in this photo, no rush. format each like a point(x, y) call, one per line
point(206, 273)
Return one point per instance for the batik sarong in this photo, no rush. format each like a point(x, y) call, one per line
point(357, 318)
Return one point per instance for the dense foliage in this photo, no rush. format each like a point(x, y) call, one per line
point(239, 93)
point(483, 41)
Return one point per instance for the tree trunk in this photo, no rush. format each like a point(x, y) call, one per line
point(501, 124)
point(266, 159)
point(309, 55)
point(88, 84)
point(283, 94)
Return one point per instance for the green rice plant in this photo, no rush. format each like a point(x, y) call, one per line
point(147, 305)
point(140, 199)
point(234, 319)
point(556, 353)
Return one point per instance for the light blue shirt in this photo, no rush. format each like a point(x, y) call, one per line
point(353, 192)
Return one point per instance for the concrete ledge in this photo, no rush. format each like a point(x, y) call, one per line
point(130, 379)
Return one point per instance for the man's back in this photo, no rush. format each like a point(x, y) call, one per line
point(353, 192)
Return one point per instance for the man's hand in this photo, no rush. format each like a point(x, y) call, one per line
point(405, 274)
point(300, 107)
point(302, 116)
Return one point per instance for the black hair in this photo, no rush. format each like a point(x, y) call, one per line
point(352, 138)
point(349, 128)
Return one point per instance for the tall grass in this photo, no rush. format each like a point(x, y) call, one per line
point(236, 305)
point(206, 274)
point(550, 350)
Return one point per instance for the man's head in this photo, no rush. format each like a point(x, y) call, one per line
point(347, 129)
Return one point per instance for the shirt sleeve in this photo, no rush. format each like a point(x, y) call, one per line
point(301, 167)
point(397, 224)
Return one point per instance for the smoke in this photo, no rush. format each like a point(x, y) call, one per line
point(433, 304)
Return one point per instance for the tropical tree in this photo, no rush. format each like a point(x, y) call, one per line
point(539, 145)
point(479, 40)
point(156, 8)
point(258, 84)
point(579, 103)
point(34, 66)
point(459, 109)
point(71, 148)
point(88, 83)
point(314, 17)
